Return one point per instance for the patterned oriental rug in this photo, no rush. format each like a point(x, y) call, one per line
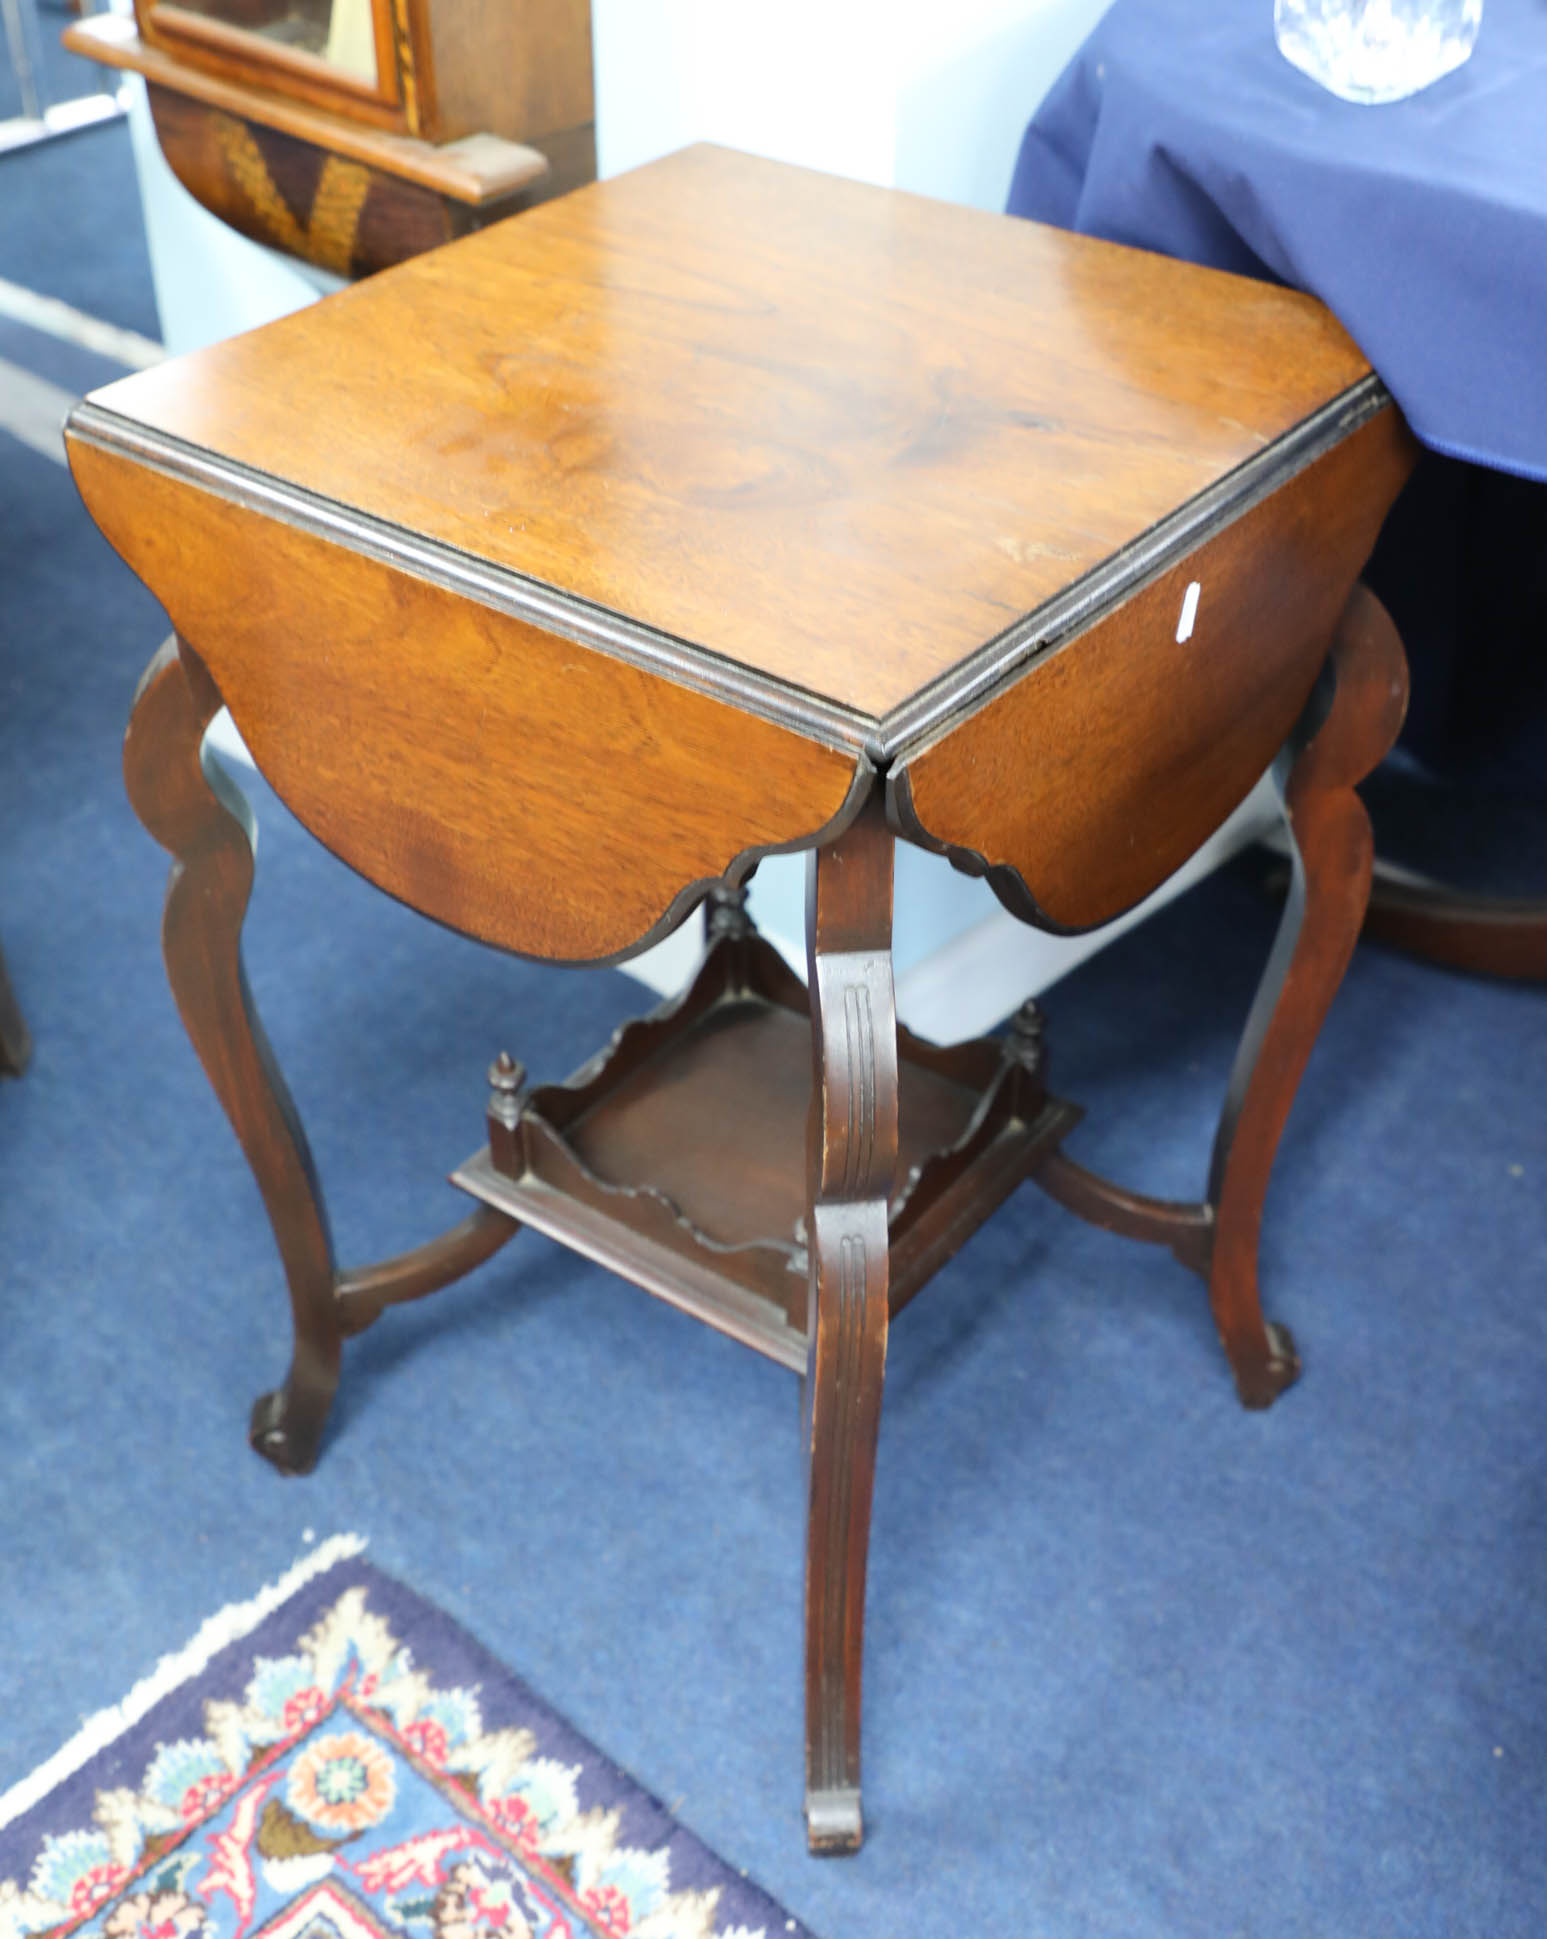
point(339, 1760)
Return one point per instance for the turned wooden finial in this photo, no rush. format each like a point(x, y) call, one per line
point(728, 916)
point(507, 1098)
point(507, 1081)
point(1024, 1039)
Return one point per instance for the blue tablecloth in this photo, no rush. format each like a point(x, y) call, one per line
point(1179, 127)
point(1423, 224)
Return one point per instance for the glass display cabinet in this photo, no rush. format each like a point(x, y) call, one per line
point(355, 133)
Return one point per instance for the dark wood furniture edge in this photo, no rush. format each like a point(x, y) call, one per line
point(475, 169)
point(738, 872)
point(1004, 878)
point(752, 1288)
point(697, 1288)
point(470, 577)
point(15, 1038)
point(1186, 1226)
point(1007, 874)
point(904, 732)
point(772, 789)
point(1484, 935)
point(939, 708)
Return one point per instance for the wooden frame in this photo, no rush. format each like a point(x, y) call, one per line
point(479, 109)
point(445, 69)
point(908, 1148)
point(240, 54)
point(739, 511)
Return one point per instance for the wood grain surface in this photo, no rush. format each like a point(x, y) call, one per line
point(520, 68)
point(506, 782)
point(840, 435)
point(1085, 784)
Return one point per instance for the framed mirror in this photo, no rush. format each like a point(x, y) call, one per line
point(335, 53)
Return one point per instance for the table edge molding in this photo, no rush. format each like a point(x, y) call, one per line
point(902, 732)
point(936, 709)
point(731, 879)
point(499, 588)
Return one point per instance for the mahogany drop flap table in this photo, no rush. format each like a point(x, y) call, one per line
point(557, 576)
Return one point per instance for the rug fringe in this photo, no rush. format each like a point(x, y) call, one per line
point(226, 1626)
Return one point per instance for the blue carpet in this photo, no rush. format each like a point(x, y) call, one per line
point(70, 223)
point(1138, 1663)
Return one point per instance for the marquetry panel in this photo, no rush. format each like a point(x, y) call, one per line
point(333, 176)
point(333, 210)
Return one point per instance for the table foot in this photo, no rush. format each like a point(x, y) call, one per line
point(834, 1823)
point(1264, 1361)
point(1331, 858)
point(1260, 1377)
point(852, 1159)
point(287, 1426)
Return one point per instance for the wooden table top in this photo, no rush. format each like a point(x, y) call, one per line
point(830, 439)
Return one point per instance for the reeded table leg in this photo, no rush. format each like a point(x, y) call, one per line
point(1332, 852)
point(852, 1156)
point(195, 812)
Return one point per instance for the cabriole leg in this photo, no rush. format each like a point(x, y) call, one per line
point(852, 1159)
point(1332, 852)
point(196, 813)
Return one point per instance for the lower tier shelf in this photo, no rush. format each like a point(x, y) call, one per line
point(677, 1156)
